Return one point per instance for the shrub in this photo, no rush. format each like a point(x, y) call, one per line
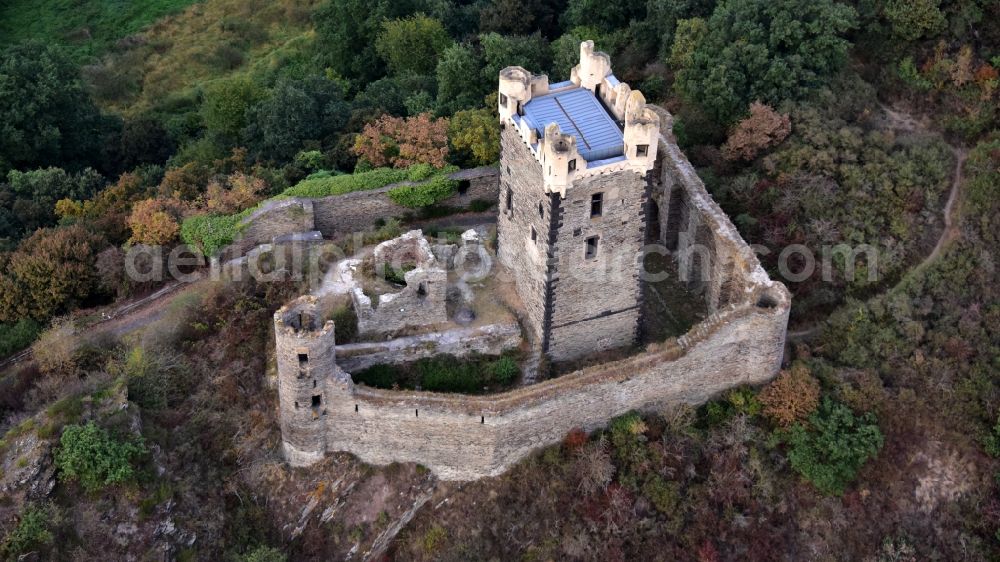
point(17, 336)
point(593, 467)
point(265, 554)
point(428, 193)
point(991, 442)
point(791, 397)
point(31, 532)
point(662, 494)
point(345, 323)
point(830, 452)
point(763, 129)
point(154, 221)
point(211, 233)
point(504, 370)
point(90, 455)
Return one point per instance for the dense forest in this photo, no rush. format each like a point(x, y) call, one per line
point(812, 122)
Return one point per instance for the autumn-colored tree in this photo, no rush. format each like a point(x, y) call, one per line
point(155, 221)
point(239, 191)
point(399, 142)
point(763, 129)
point(184, 182)
point(50, 272)
point(791, 397)
point(107, 211)
point(476, 133)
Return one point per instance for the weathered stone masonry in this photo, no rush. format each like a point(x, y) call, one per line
point(545, 189)
point(466, 437)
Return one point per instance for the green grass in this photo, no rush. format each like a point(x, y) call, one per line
point(211, 233)
point(89, 27)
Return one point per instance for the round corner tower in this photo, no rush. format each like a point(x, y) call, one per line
point(305, 353)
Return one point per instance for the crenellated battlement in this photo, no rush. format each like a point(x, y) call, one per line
point(607, 121)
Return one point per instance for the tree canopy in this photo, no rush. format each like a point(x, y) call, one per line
point(767, 51)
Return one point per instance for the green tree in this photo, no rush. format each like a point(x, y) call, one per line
point(833, 448)
point(90, 455)
point(226, 103)
point(346, 32)
point(500, 51)
point(46, 117)
point(913, 19)
point(665, 16)
point(522, 17)
point(33, 194)
point(606, 16)
point(460, 83)
point(312, 109)
point(688, 35)
point(412, 45)
point(764, 50)
point(475, 135)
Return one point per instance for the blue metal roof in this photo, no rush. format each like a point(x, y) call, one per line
point(579, 113)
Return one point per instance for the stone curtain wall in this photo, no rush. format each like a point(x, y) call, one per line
point(710, 252)
point(465, 437)
point(353, 212)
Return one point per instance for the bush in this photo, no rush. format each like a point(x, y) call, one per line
point(265, 554)
point(428, 193)
point(791, 397)
point(345, 323)
point(504, 370)
point(17, 336)
point(90, 455)
point(31, 532)
point(211, 233)
point(830, 452)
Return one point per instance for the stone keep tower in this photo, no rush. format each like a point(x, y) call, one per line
point(574, 165)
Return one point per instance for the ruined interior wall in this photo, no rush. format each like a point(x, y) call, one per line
point(278, 218)
point(492, 339)
point(467, 437)
point(408, 307)
point(595, 301)
point(525, 259)
point(353, 212)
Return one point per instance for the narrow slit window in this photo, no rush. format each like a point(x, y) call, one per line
point(541, 210)
point(591, 251)
point(534, 235)
point(422, 289)
point(355, 408)
point(510, 199)
point(572, 164)
point(596, 205)
point(641, 150)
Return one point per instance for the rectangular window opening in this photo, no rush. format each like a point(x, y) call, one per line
point(591, 252)
point(317, 401)
point(641, 150)
point(572, 164)
point(303, 359)
point(503, 100)
point(596, 205)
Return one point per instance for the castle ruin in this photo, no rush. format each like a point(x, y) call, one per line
point(589, 176)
